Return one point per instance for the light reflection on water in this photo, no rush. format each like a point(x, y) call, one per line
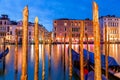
point(56, 67)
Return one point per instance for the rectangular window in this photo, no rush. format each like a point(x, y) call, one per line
point(65, 24)
point(55, 34)
point(55, 28)
point(29, 37)
point(8, 28)
point(75, 29)
point(0, 22)
point(55, 23)
point(29, 33)
point(5, 23)
point(65, 29)
point(10, 32)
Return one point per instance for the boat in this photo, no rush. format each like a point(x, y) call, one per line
point(112, 63)
point(90, 76)
point(113, 66)
point(3, 54)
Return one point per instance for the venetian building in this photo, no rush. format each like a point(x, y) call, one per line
point(11, 33)
point(113, 27)
point(18, 25)
point(61, 30)
point(47, 34)
point(4, 26)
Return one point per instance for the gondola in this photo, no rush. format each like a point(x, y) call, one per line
point(3, 54)
point(89, 62)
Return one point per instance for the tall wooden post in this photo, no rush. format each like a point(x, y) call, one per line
point(96, 30)
point(70, 53)
point(4, 44)
point(49, 56)
point(64, 56)
point(25, 44)
point(87, 51)
point(108, 44)
point(4, 57)
point(49, 62)
point(106, 53)
point(87, 46)
point(43, 56)
point(64, 51)
point(36, 48)
point(81, 51)
point(16, 55)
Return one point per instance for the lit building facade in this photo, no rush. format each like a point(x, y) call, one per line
point(18, 26)
point(113, 28)
point(4, 26)
point(62, 27)
point(89, 29)
point(8, 31)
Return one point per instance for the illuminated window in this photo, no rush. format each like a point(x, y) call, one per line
point(79, 24)
point(75, 23)
point(72, 24)
point(10, 28)
point(65, 24)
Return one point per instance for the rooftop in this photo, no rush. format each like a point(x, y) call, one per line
point(109, 16)
point(71, 19)
point(4, 17)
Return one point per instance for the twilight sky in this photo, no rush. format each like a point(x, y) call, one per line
point(48, 10)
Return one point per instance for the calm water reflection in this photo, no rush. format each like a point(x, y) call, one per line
point(56, 67)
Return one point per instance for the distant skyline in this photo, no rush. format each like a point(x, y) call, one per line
point(49, 10)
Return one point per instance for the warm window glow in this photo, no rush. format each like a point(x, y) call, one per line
point(65, 24)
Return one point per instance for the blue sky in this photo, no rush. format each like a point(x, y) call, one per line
point(48, 10)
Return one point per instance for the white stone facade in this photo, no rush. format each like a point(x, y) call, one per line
point(113, 28)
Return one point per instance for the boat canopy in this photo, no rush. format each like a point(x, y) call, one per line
point(90, 76)
point(111, 60)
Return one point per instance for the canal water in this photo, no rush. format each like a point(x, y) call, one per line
point(56, 61)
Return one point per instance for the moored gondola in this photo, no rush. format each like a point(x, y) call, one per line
point(3, 54)
point(114, 67)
